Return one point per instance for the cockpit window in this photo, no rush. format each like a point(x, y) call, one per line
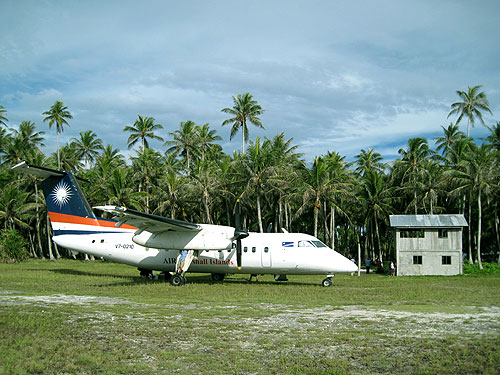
point(318, 243)
point(305, 244)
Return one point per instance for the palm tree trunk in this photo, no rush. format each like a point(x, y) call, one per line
point(469, 233)
point(280, 213)
point(378, 238)
point(479, 230)
point(228, 215)
point(332, 227)
point(259, 214)
point(205, 203)
point(287, 226)
point(49, 240)
point(316, 218)
point(37, 224)
point(243, 126)
point(58, 157)
point(325, 225)
point(497, 234)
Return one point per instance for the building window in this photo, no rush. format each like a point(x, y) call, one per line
point(417, 259)
point(446, 259)
point(411, 233)
point(443, 233)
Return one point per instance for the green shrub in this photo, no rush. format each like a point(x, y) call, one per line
point(13, 246)
point(488, 268)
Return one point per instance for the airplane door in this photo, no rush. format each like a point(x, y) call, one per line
point(266, 257)
point(284, 257)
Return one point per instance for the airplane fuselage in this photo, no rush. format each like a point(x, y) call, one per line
point(262, 253)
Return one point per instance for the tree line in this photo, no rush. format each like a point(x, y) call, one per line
point(345, 204)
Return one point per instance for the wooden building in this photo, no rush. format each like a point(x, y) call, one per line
point(428, 244)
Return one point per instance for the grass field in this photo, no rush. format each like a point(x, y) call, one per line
point(70, 317)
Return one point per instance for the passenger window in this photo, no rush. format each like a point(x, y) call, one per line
point(254, 249)
point(266, 249)
point(245, 249)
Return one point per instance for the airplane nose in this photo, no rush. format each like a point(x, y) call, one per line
point(353, 267)
point(347, 265)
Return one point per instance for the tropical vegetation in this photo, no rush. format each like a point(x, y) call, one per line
point(345, 204)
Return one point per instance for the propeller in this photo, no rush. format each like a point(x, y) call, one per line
point(239, 234)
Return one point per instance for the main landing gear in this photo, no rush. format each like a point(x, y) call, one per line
point(328, 281)
point(218, 276)
point(177, 279)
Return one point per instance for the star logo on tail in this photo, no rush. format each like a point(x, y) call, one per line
point(61, 194)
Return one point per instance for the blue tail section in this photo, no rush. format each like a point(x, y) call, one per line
point(64, 195)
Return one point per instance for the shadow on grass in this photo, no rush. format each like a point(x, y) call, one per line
point(190, 279)
point(69, 271)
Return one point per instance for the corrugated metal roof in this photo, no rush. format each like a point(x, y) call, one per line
point(425, 221)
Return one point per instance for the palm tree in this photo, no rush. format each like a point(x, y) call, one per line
point(119, 191)
point(451, 135)
point(341, 187)
point(494, 138)
point(206, 139)
point(204, 175)
point(57, 114)
point(369, 160)
point(142, 129)
point(15, 207)
point(111, 156)
point(477, 174)
point(244, 110)
point(376, 198)
point(186, 141)
point(69, 160)
point(473, 102)
point(87, 146)
point(147, 167)
point(412, 166)
point(286, 163)
point(317, 186)
point(170, 190)
point(3, 119)
point(256, 167)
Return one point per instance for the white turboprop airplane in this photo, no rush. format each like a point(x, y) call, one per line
point(152, 242)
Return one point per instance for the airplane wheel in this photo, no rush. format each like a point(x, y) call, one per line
point(327, 282)
point(218, 276)
point(177, 280)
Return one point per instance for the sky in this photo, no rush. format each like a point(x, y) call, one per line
point(333, 75)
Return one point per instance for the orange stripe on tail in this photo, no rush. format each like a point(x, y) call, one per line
point(72, 219)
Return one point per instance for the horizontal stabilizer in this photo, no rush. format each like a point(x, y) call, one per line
point(36, 170)
point(42, 172)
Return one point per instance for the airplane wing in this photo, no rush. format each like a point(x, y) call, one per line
point(148, 222)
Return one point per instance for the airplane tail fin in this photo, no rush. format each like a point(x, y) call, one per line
point(66, 204)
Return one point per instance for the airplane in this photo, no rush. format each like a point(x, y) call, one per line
point(174, 247)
